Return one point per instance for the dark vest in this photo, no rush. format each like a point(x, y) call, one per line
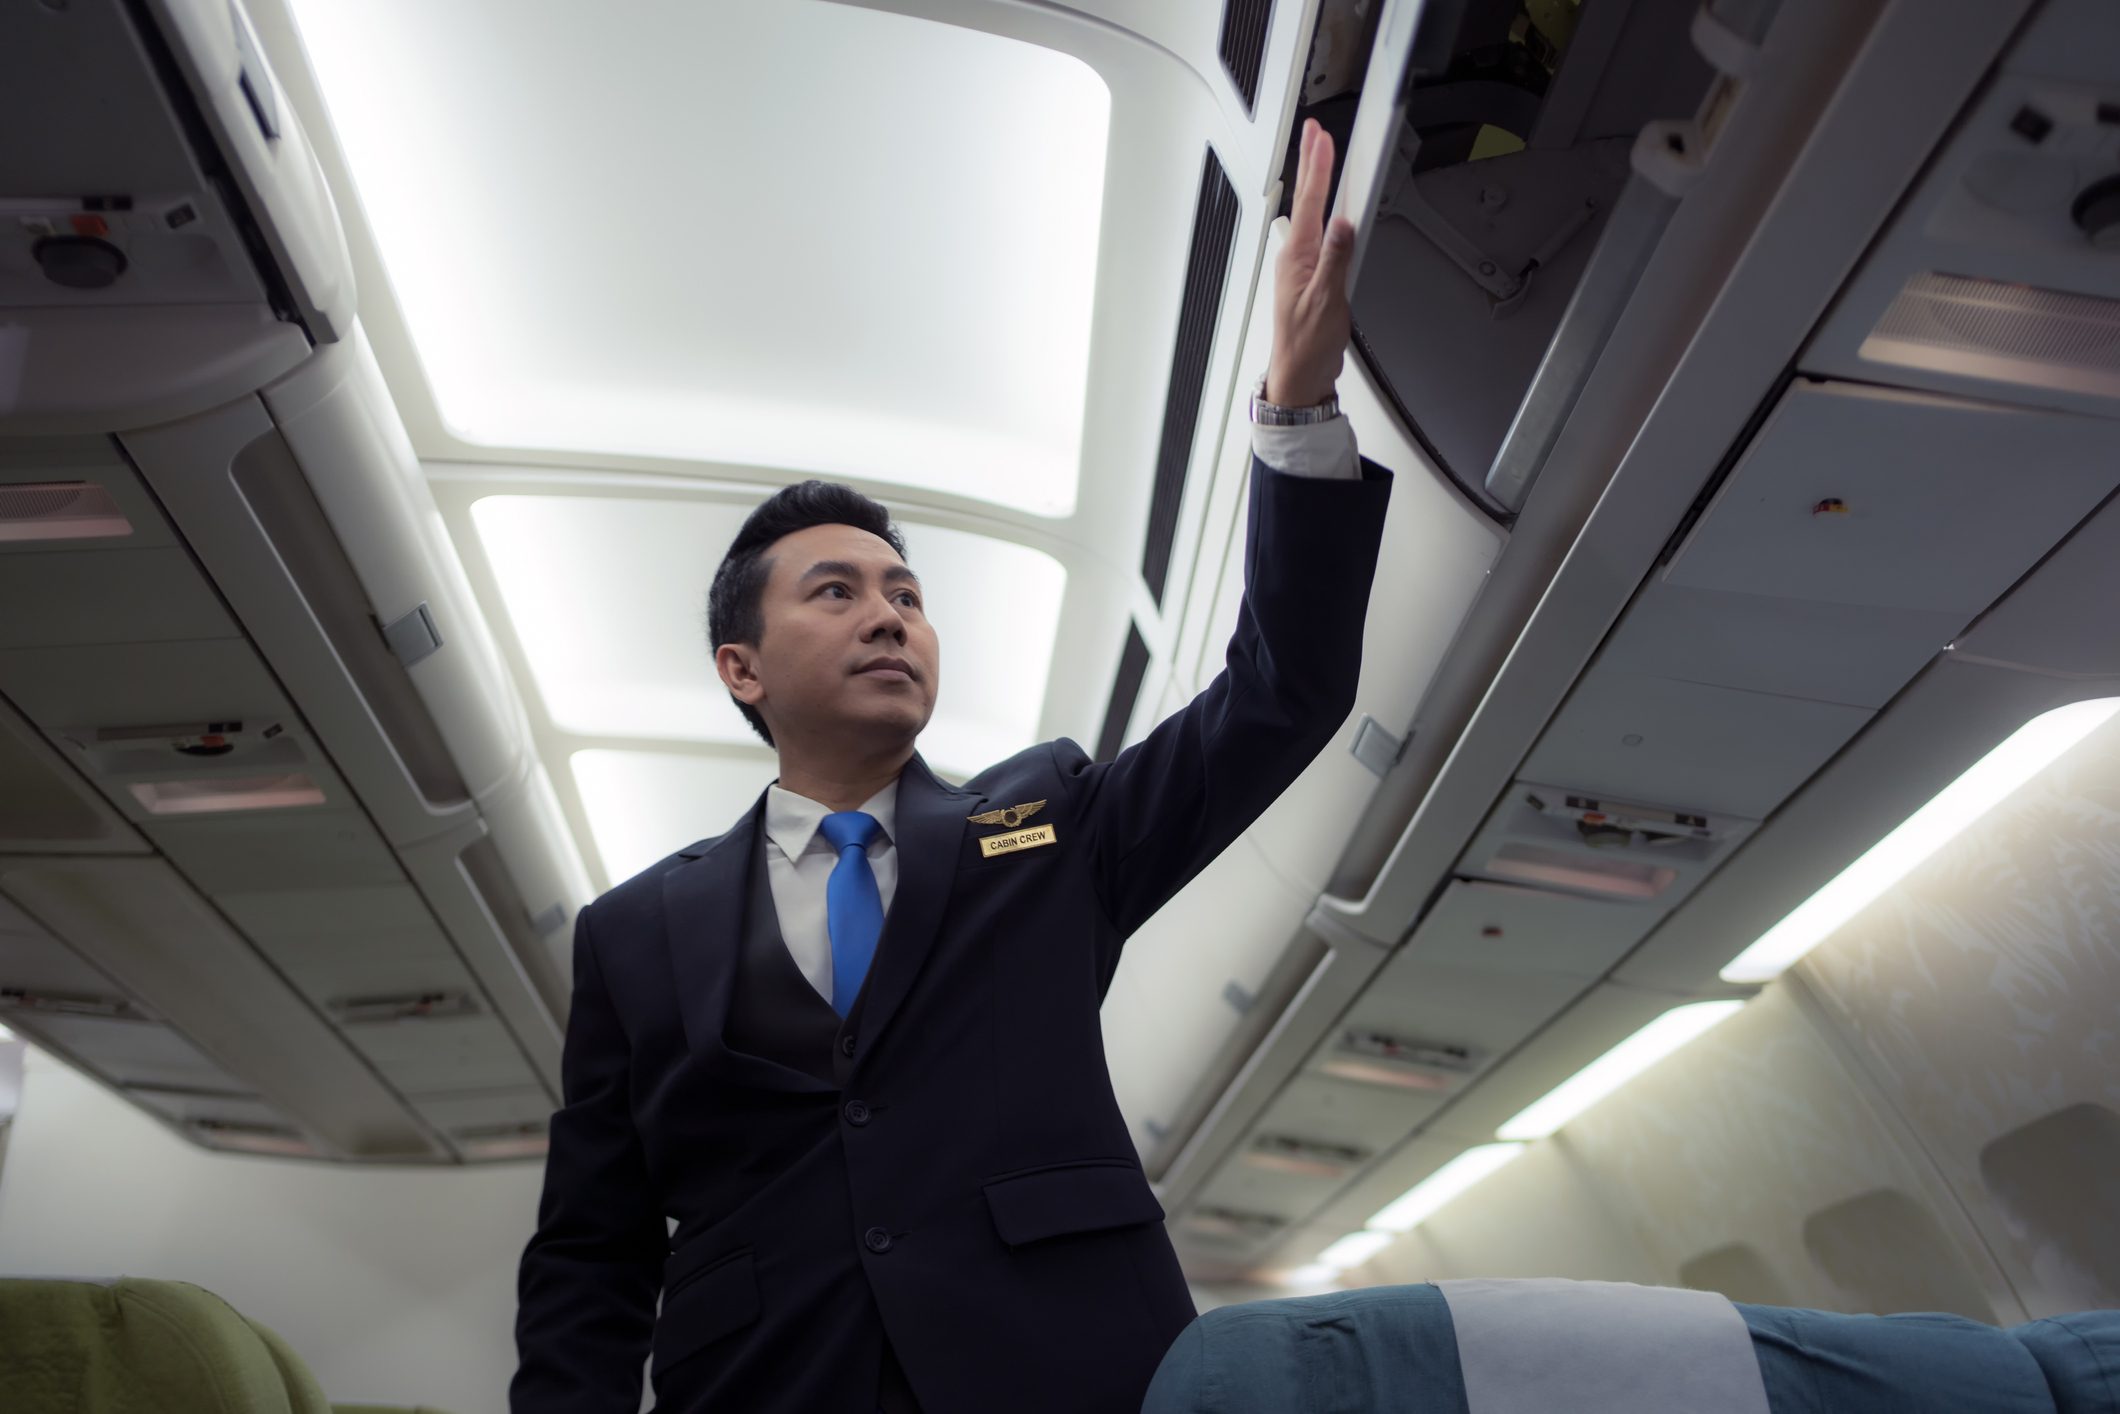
point(775, 1012)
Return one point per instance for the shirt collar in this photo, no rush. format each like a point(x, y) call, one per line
point(792, 820)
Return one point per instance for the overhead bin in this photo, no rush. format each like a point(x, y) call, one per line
point(1512, 168)
point(246, 644)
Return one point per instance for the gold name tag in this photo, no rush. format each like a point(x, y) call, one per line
point(991, 845)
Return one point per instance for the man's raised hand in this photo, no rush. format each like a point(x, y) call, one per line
point(1311, 320)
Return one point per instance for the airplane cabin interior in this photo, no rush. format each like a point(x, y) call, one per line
point(1715, 888)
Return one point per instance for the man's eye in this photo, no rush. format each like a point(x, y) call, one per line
point(837, 589)
point(909, 599)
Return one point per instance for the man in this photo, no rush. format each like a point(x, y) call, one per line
point(852, 1045)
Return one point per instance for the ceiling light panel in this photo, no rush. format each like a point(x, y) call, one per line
point(806, 236)
point(643, 805)
point(607, 596)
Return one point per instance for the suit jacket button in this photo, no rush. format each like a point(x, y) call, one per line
point(846, 1044)
point(857, 1113)
point(876, 1240)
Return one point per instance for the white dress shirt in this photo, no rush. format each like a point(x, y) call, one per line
point(800, 860)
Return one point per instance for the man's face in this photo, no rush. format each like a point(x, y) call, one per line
point(847, 646)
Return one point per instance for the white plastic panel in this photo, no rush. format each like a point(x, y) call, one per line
point(132, 684)
point(32, 960)
point(337, 944)
point(1855, 654)
point(1167, 1013)
point(66, 597)
point(970, 270)
point(138, 921)
point(1946, 501)
point(1501, 928)
point(319, 849)
point(1694, 747)
point(45, 806)
point(134, 1052)
point(432, 1057)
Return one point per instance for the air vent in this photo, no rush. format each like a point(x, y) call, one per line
point(2011, 333)
point(1206, 275)
point(1230, 1225)
point(1373, 1058)
point(1307, 1157)
point(1126, 690)
point(63, 1004)
point(59, 510)
point(1244, 27)
point(409, 1006)
point(251, 1138)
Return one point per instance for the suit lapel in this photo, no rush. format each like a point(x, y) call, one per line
point(930, 832)
point(704, 901)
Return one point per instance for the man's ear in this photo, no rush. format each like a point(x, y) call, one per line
point(738, 665)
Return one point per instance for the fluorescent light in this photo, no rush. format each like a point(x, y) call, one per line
point(1417, 1203)
point(599, 247)
point(1986, 784)
point(1354, 1249)
point(1616, 1067)
point(606, 595)
point(1316, 1275)
point(6, 1035)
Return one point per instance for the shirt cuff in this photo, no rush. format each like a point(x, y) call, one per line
point(1322, 449)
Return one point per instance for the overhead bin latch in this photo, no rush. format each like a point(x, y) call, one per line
point(1375, 747)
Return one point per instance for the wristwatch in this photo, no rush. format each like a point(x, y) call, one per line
point(1268, 414)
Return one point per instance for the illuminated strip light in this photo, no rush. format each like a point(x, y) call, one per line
point(1616, 1067)
point(1354, 1249)
point(209, 797)
point(1426, 1198)
point(1986, 784)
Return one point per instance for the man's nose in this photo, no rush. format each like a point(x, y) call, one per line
point(883, 618)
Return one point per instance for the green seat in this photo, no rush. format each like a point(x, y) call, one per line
point(134, 1346)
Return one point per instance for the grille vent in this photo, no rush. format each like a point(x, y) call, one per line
point(59, 510)
point(1206, 274)
point(1993, 329)
point(1126, 690)
point(1244, 27)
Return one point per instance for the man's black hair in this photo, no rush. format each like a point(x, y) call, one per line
point(736, 602)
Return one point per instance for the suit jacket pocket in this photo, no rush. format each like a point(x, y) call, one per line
point(1092, 1196)
point(703, 1306)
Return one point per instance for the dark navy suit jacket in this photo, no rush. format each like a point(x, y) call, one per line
point(971, 1187)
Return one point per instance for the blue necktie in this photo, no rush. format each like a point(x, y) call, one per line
point(853, 907)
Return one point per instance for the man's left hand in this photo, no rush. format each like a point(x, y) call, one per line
point(1311, 320)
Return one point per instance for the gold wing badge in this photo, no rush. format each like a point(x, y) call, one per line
point(1019, 839)
point(1010, 818)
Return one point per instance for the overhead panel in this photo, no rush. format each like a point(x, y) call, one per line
point(1689, 745)
point(45, 805)
point(344, 944)
point(1873, 497)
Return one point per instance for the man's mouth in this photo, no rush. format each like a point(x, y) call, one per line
point(886, 668)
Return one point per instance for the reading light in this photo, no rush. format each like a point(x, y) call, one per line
point(1986, 784)
point(1353, 1250)
point(1616, 1067)
point(1416, 1204)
